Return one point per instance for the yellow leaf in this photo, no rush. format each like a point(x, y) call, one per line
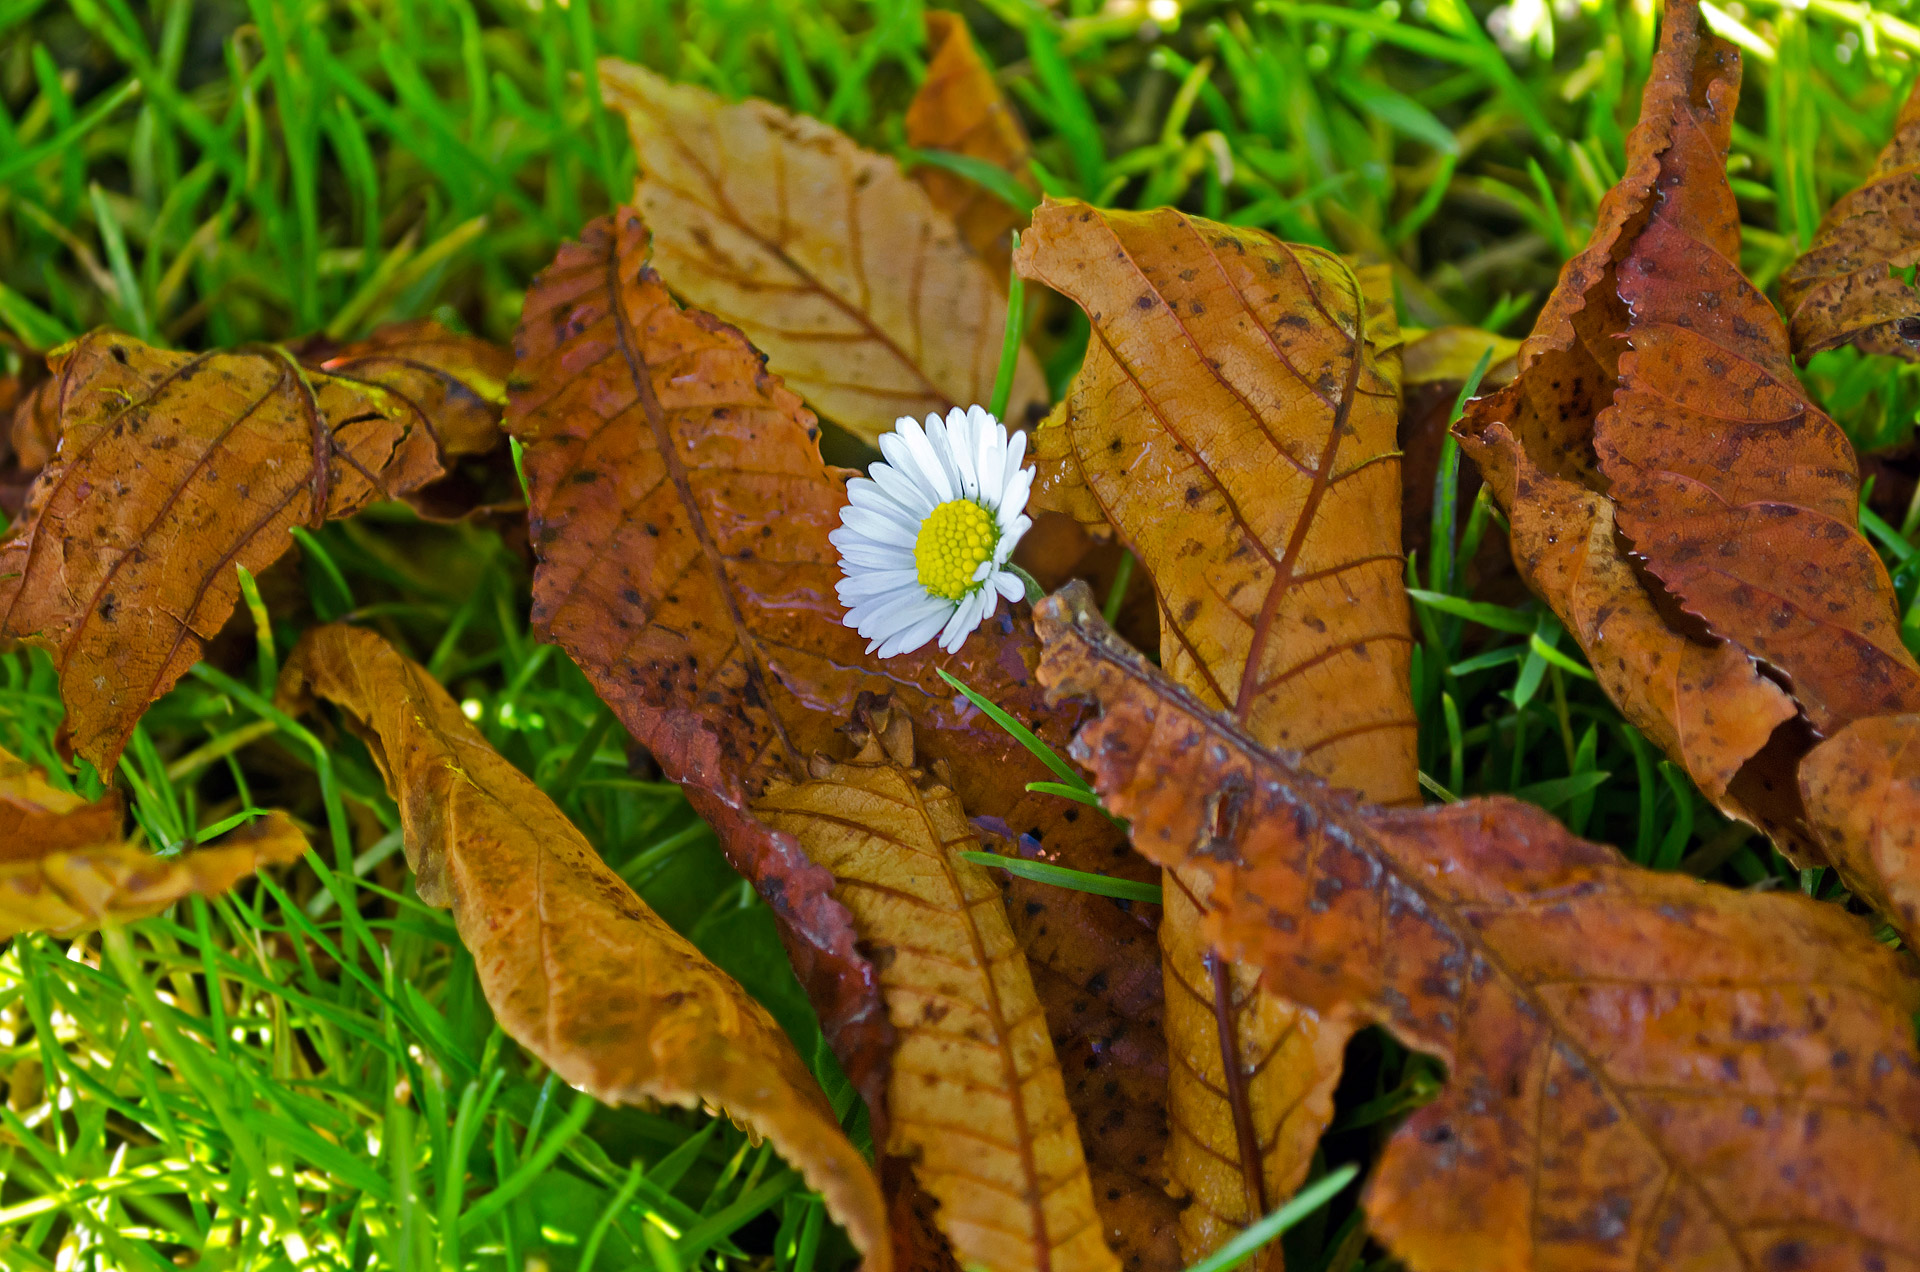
point(576, 968)
point(1234, 424)
point(64, 867)
point(976, 1099)
point(827, 256)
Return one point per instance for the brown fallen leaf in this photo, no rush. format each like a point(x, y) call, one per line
point(458, 383)
point(680, 515)
point(976, 1100)
point(873, 310)
point(173, 468)
point(35, 428)
point(1862, 789)
point(1847, 288)
point(1234, 424)
point(959, 107)
point(1738, 493)
point(576, 968)
point(1699, 698)
point(65, 867)
point(1645, 1070)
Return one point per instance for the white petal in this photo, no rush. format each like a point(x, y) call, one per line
point(927, 459)
point(905, 642)
point(963, 445)
point(868, 555)
point(1016, 451)
point(882, 618)
point(1010, 538)
point(990, 456)
point(988, 599)
point(871, 583)
point(1010, 585)
point(902, 489)
point(863, 492)
point(900, 458)
point(1013, 499)
point(965, 619)
point(942, 442)
point(879, 526)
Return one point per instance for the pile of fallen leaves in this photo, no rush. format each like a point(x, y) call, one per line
point(1644, 1070)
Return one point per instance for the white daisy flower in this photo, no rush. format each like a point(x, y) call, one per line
point(924, 541)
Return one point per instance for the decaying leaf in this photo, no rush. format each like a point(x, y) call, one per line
point(1448, 355)
point(976, 1099)
point(173, 468)
point(1645, 1070)
point(65, 867)
point(1862, 789)
point(1234, 424)
point(576, 968)
point(34, 430)
point(1738, 493)
point(1701, 699)
point(1849, 287)
point(960, 108)
point(680, 514)
point(458, 383)
point(837, 264)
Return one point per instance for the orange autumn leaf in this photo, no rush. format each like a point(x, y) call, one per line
point(34, 428)
point(1862, 790)
point(976, 1100)
point(1848, 286)
point(173, 468)
point(575, 966)
point(680, 512)
point(1701, 699)
point(1234, 424)
point(1736, 491)
point(862, 294)
point(457, 382)
point(960, 108)
point(1644, 1070)
point(65, 867)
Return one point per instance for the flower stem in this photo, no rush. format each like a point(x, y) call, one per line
point(1034, 592)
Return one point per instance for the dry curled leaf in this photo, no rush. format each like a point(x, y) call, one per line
point(1701, 699)
point(1234, 425)
point(65, 868)
point(680, 514)
point(1446, 355)
point(976, 1099)
point(173, 468)
point(1645, 1070)
point(830, 259)
point(34, 431)
point(1862, 789)
point(576, 968)
point(1738, 493)
point(1849, 287)
point(457, 382)
point(960, 108)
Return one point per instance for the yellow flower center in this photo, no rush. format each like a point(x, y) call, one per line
point(954, 539)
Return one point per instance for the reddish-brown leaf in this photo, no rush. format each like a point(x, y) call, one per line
point(1234, 425)
point(65, 867)
point(1847, 288)
point(1737, 492)
point(1700, 698)
point(1862, 789)
point(1645, 1070)
point(680, 513)
point(576, 968)
point(960, 108)
point(173, 468)
point(35, 427)
point(829, 258)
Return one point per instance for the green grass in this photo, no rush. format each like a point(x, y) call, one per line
point(327, 1088)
